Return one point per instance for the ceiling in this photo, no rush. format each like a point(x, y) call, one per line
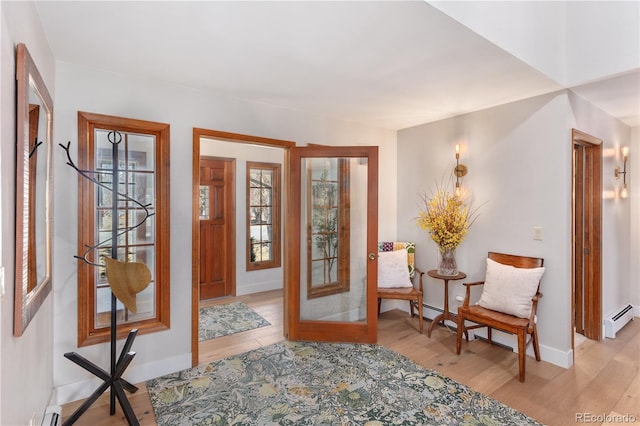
point(384, 64)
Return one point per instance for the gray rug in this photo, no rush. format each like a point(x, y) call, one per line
point(304, 383)
point(221, 320)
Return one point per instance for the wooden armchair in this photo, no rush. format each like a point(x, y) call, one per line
point(508, 303)
point(396, 272)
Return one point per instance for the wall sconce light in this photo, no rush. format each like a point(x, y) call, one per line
point(624, 193)
point(460, 170)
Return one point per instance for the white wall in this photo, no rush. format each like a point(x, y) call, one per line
point(533, 31)
point(570, 41)
point(263, 279)
point(616, 212)
point(519, 160)
point(603, 39)
point(634, 199)
point(26, 361)
point(85, 89)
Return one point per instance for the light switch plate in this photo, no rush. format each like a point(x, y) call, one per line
point(537, 233)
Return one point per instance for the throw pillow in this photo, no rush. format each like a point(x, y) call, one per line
point(393, 269)
point(509, 289)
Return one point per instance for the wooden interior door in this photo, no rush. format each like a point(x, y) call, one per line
point(331, 250)
point(578, 235)
point(587, 235)
point(217, 227)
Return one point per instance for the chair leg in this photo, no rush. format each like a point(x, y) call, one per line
point(411, 308)
point(459, 334)
point(420, 313)
point(522, 353)
point(536, 348)
point(379, 302)
point(489, 335)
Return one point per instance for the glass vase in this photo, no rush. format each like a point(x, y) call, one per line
point(448, 265)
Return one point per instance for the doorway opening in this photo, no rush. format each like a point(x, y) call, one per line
point(586, 236)
point(361, 165)
point(229, 242)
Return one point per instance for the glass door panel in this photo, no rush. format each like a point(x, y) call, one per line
point(332, 285)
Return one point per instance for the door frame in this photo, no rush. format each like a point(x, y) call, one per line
point(195, 216)
point(592, 193)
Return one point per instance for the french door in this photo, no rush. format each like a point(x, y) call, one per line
point(332, 230)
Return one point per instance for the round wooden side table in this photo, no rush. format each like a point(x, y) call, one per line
point(446, 315)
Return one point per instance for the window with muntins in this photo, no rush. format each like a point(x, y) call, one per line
point(263, 215)
point(143, 175)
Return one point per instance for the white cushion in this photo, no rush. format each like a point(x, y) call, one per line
point(393, 269)
point(509, 289)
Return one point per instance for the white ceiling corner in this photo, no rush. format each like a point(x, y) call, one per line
point(385, 64)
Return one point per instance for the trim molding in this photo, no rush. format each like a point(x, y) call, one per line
point(548, 354)
point(259, 287)
point(135, 374)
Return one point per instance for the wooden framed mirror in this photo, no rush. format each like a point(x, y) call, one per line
point(33, 191)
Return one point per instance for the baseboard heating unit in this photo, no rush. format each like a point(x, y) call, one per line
point(617, 320)
point(52, 416)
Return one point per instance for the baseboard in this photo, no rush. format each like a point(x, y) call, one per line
point(258, 287)
point(551, 355)
point(134, 374)
point(428, 312)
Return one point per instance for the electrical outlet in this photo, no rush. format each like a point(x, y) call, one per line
point(537, 233)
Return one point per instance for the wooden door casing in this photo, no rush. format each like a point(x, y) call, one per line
point(199, 134)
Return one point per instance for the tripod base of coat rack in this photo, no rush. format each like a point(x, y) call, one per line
point(112, 380)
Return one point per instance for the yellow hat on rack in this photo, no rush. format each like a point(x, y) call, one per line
point(126, 280)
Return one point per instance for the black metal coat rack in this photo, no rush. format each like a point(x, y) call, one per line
point(111, 379)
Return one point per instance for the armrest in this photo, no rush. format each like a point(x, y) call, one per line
point(421, 274)
point(473, 283)
point(467, 295)
point(534, 308)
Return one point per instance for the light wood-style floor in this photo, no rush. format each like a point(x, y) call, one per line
point(603, 381)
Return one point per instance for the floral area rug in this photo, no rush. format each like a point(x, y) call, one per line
point(305, 383)
point(221, 320)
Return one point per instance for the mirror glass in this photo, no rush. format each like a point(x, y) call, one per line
point(334, 224)
point(33, 165)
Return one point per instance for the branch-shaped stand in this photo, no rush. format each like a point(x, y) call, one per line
point(112, 379)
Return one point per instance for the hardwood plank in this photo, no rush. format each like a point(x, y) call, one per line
point(604, 379)
point(629, 402)
point(98, 413)
point(606, 389)
point(618, 419)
